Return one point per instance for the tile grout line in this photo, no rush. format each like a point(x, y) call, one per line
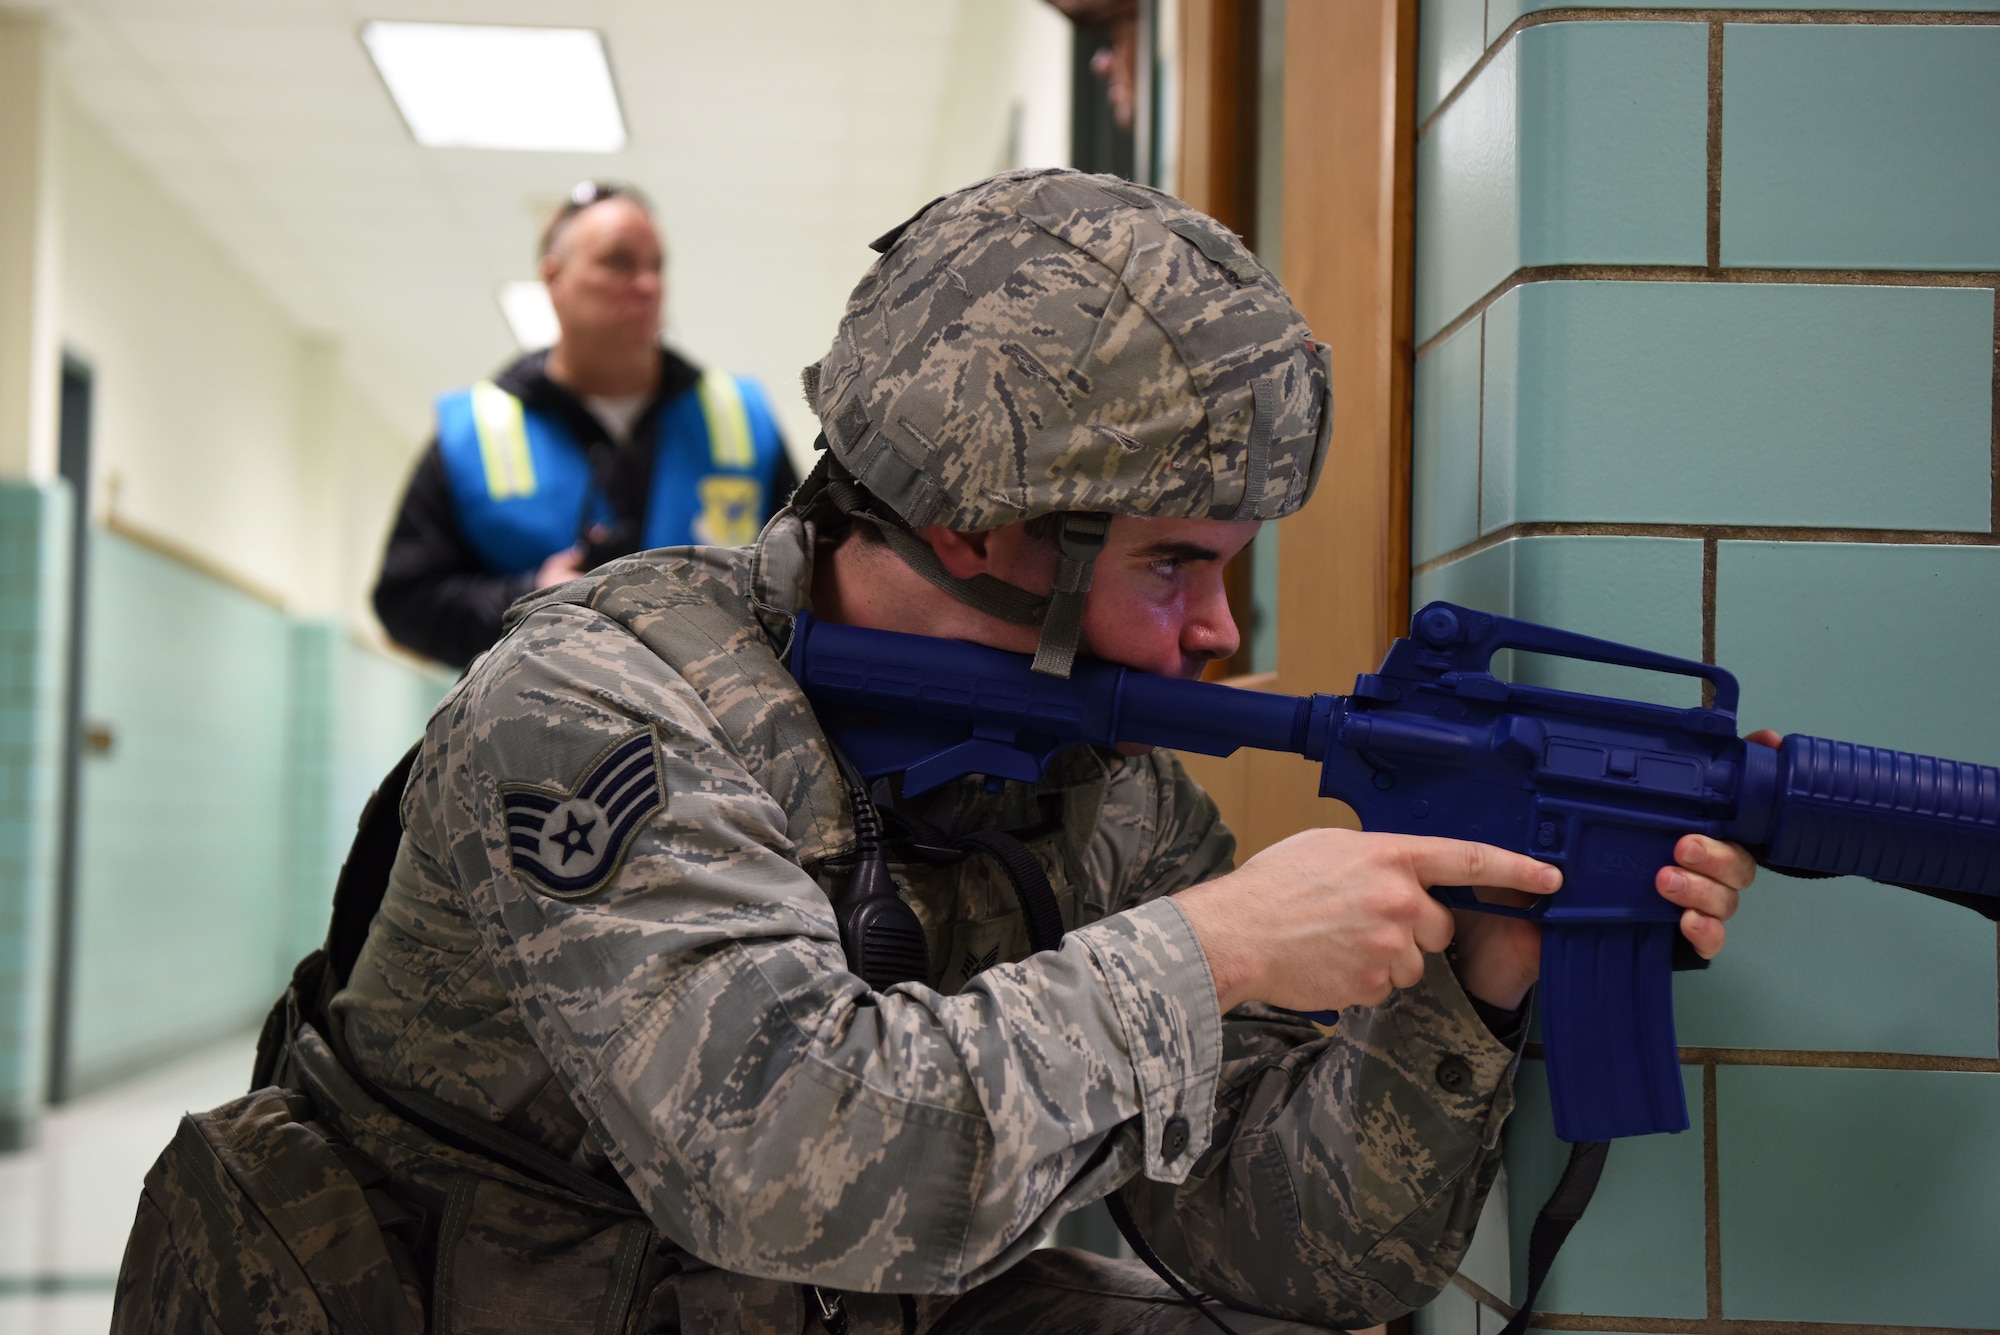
point(1715, 145)
point(1711, 15)
point(1993, 509)
point(1484, 1296)
point(1710, 551)
point(1479, 447)
point(1711, 1191)
point(1707, 533)
point(1695, 273)
point(1822, 1059)
point(1655, 1325)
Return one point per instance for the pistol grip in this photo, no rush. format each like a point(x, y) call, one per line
point(1608, 1030)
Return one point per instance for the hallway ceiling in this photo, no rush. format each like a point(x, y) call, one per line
point(775, 136)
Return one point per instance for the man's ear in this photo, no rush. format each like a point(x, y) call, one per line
point(548, 267)
point(963, 554)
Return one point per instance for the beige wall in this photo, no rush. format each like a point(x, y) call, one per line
point(1006, 103)
point(766, 302)
point(28, 248)
point(218, 427)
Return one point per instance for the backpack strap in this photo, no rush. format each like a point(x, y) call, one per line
point(364, 879)
point(364, 876)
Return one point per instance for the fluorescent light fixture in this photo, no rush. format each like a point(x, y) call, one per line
point(466, 85)
point(529, 314)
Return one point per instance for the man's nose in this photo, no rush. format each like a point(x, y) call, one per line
point(1210, 630)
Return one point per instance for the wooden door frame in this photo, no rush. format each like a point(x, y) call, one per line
point(1349, 243)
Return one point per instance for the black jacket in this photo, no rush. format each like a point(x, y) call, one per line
point(436, 596)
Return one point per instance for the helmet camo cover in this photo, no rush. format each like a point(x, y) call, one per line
point(1047, 342)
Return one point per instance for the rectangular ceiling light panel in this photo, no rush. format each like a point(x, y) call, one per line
point(465, 85)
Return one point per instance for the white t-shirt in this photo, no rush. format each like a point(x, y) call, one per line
point(617, 414)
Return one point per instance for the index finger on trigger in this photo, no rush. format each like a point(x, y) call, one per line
point(1462, 862)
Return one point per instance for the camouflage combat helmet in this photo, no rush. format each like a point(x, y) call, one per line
point(1046, 342)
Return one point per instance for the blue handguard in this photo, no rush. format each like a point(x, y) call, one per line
point(1433, 743)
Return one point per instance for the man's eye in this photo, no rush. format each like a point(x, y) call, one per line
point(1167, 567)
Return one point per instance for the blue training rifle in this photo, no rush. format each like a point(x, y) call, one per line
point(1434, 743)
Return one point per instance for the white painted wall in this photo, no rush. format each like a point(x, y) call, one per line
point(196, 377)
point(28, 249)
point(761, 293)
point(1006, 103)
point(218, 425)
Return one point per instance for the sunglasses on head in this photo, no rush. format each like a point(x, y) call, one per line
point(581, 197)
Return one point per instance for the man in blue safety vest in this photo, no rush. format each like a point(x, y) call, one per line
point(606, 444)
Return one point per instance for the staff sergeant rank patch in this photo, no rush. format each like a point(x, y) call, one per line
point(570, 843)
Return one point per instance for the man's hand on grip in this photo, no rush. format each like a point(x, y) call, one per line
point(1335, 918)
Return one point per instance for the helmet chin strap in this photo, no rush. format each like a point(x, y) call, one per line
point(1081, 542)
point(1060, 614)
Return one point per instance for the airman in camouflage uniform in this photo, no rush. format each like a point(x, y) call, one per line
point(609, 929)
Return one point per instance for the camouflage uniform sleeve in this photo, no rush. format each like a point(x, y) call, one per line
point(1347, 1171)
point(772, 1114)
point(1157, 832)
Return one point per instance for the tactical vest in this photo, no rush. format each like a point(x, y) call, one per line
point(320, 1203)
point(523, 489)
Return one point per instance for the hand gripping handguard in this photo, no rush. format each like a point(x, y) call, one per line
point(1434, 743)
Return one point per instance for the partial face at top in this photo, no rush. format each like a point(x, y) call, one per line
point(604, 276)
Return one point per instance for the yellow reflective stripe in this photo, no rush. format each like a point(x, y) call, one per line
point(503, 442)
point(728, 423)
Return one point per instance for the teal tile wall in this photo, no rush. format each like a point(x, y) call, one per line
point(181, 893)
point(1635, 590)
point(1859, 1196)
point(1905, 177)
point(1722, 403)
point(1845, 965)
point(353, 714)
point(1733, 409)
point(245, 743)
point(34, 624)
point(1641, 1249)
point(1887, 644)
point(1451, 35)
point(1469, 196)
point(1444, 450)
point(314, 846)
point(1578, 143)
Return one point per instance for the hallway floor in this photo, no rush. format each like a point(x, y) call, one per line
point(66, 1205)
